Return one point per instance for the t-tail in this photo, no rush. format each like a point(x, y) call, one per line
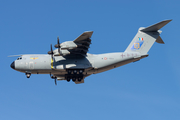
point(146, 37)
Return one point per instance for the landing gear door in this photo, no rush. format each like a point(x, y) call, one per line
point(90, 62)
point(31, 65)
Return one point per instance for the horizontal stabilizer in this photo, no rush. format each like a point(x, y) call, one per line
point(156, 27)
point(159, 40)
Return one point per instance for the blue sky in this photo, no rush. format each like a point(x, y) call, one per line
point(145, 90)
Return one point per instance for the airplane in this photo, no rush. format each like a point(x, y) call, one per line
point(70, 61)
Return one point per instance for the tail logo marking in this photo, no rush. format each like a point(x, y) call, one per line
point(137, 45)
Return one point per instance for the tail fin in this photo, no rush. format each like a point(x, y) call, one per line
point(146, 37)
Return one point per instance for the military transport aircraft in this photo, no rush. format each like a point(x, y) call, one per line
point(71, 61)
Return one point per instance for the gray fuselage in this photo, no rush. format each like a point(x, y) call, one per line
point(90, 64)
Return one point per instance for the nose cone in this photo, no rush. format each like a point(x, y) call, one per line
point(12, 65)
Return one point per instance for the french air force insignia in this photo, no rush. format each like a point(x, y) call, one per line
point(137, 45)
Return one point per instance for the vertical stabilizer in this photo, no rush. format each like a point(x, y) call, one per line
point(146, 37)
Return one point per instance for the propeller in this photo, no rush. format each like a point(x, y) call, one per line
point(55, 78)
point(58, 45)
point(51, 52)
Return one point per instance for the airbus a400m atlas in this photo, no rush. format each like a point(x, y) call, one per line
point(71, 61)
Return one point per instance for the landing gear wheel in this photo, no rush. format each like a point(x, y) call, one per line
point(79, 79)
point(73, 79)
point(69, 71)
point(75, 71)
point(28, 75)
point(80, 71)
point(68, 79)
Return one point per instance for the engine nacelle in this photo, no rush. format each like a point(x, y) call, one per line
point(67, 45)
point(62, 52)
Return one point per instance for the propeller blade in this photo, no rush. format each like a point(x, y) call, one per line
point(51, 49)
point(51, 52)
point(58, 44)
point(58, 41)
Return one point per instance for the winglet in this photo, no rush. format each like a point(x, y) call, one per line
point(156, 27)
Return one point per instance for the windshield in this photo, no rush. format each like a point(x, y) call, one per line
point(19, 58)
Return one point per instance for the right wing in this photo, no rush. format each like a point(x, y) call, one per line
point(79, 46)
point(83, 42)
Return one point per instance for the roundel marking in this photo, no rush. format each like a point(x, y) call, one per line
point(105, 58)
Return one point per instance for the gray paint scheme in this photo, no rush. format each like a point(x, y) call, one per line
point(74, 55)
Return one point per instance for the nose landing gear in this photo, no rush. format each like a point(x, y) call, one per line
point(28, 75)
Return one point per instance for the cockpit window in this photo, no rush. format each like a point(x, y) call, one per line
point(19, 58)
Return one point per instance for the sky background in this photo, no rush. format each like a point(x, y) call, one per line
point(145, 90)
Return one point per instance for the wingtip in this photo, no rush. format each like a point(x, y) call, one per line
point(14, 55)
point(89, 31)
point(167, 21)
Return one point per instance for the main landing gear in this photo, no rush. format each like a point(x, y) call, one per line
point(75, 75)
